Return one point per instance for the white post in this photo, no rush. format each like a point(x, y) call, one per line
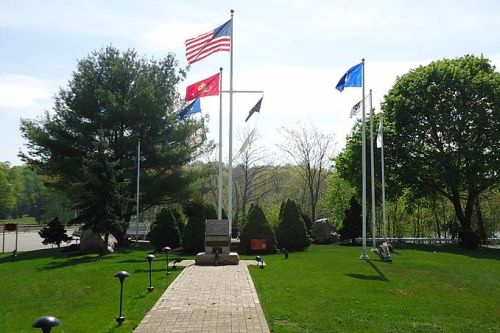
point(230, 181)
point(372, 174)
point(383, 176)
point(219, 201)
point(364, 255)
point(137, 195)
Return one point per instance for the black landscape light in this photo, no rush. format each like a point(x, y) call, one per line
point(121, 275)
point(150, 258)
point(46, 323)
point(166, 249)
point(285, 252)
point(260, 262)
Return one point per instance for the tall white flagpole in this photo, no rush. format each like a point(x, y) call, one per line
point(372, 174)
point(364, 255)
point(230, 181)
point(137, 195)
point(383, 176)
point(219, 201)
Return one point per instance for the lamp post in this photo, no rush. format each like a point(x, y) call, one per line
point(167, 249)
point(121, 275)
point(46, 323)
point(150, 258)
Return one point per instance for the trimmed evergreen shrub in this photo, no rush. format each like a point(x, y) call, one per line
point(307, 221)
point(193, 238)
point(257, 227)
point(291, 231)
point(210, 212)
point(352, 222)
point(165, 231)
point(180, 218)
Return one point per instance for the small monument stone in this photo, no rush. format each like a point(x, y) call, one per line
point(217, 245)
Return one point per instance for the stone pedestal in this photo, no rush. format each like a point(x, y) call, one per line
point(217, 245)
point(206, 259)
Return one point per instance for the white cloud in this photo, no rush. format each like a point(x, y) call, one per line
point(24, 96)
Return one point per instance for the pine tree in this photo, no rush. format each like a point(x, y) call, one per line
point(54, 233)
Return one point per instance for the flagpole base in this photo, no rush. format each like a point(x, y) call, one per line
point(364, 256)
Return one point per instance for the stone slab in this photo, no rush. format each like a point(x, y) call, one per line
point(205, 259)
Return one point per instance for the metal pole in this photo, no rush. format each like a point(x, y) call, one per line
point(137, 195)
point(219, 201)
point(383, 176)
point(17, 235)
point(3, 239)
point(230, 181)
point(364, 255)
point(372, 174)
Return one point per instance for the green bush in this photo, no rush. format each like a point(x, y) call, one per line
point(257, 227)
point(180, 218)
point(193, 238)
point(291, 231)
point(165, 231)
point(210, 212)
point(352, 222)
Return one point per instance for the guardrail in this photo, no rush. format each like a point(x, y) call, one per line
point(421, 240)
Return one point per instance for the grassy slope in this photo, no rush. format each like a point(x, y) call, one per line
point(327, 289)
point(21, 220)
point(81, 291)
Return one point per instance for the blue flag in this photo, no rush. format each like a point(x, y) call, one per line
point(191, 108)
point(352, 78)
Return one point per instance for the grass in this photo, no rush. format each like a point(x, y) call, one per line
point(328, 289)
point(21, 220)
point(79, 290)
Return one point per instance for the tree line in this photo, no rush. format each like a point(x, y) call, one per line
point(441, 139)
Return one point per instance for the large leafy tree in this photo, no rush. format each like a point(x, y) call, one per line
point(443, 134)
point(115, 99)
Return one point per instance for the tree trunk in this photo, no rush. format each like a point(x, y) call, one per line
point(436, 219)
point(480, 223)
point(468, 238)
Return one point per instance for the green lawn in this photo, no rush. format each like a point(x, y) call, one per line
point(328, 289)
point(21, 220)
point(80, 290)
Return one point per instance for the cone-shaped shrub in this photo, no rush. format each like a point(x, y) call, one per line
point(180, 218)
point(210, 212)
point(257, 227)
point(291, 232)
point(165, 231)
point(352, 223)
point(193, 238)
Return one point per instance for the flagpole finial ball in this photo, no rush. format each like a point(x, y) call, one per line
point(220, 69)
point(232, 11)
point(363, 60)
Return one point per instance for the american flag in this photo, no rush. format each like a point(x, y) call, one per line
point(200, 47)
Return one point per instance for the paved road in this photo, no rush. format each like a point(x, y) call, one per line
point(208, 299)
point(27, 241)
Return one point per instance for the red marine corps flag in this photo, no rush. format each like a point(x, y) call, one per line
point(207, 87)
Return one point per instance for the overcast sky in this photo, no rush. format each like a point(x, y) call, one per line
point(295, 51)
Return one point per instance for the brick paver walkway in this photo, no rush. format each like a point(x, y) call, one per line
point(208, 299)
